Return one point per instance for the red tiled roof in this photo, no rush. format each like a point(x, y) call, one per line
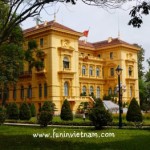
point(112, 42)
point(50, 24)
point(101, 44)
point(86, 44)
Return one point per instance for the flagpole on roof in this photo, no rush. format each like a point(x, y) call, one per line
point(88, 33)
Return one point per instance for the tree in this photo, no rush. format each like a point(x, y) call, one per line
point(141, 8)
point(134, 112)
point(66, 113)
point(99, 115)
point(145, 106)
point(12, 111)
point(33, 110)
point(11, 54)
point(147, 80)
point(14, 12)
point(142, 92)
point(25, 113)
point(44, 118)
point(141, 57)
point(84, 107)
point(48, 106)
point(30, 54)
point(46, 114)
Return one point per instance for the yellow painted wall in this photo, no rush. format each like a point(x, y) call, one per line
point(59, 44)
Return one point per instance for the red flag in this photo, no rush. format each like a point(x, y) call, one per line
point(85, 33)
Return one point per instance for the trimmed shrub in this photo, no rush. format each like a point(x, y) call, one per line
point(2, 115)
point(25, 113)
point(12, 111)
point(134, 112)
point(99, 115)
point(66, 113)
point(33, 110)
point(44, 118)
point(48, 106)
point(46, 114)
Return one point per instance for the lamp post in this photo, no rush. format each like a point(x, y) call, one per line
point(118, 72)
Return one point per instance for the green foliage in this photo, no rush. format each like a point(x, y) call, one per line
point(33, 110)
point(107, 97)
point(44, 118)
point(48, 106)
point(145, 106)
point(25, 113)
point(66, 113)
point(142, 91)
point(99, 115)
point(134, 112)
point(46, 114)
point(140, 55)
point(2, 115)
point(84, 107)
point(31, 52)
point(12, 111)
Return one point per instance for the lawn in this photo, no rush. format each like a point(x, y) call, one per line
point(79, 121)
point(21, 138)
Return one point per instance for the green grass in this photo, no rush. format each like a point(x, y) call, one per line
point(79, 121)
point(21, 138)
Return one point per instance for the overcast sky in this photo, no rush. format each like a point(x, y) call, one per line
point(100, 22)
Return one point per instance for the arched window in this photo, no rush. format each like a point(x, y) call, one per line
point(45, 89)
point(98, 92)
point(130, 71)
point(91, 71)
point(97, 72)
point(91, 90)
point(65, 62)
point(66, 89)
point(14, 92)
point(111, 72)
point(40, 90)
point(111, 55)
point(22, 92)
point(84, 89)
point(29, 94)
point(83, 70)
point(110, 91)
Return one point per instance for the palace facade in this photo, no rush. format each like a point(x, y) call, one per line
point(74, 68)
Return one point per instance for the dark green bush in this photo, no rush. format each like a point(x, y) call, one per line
point(99, 115)
point(33, 110)
point(66, 113)
point(25, 113)
point(134, 112)
point(2, 115)
point(48, 106)
point(12, 111)
point(44, 118)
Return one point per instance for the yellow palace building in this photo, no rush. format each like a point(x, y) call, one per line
point(74, 68)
